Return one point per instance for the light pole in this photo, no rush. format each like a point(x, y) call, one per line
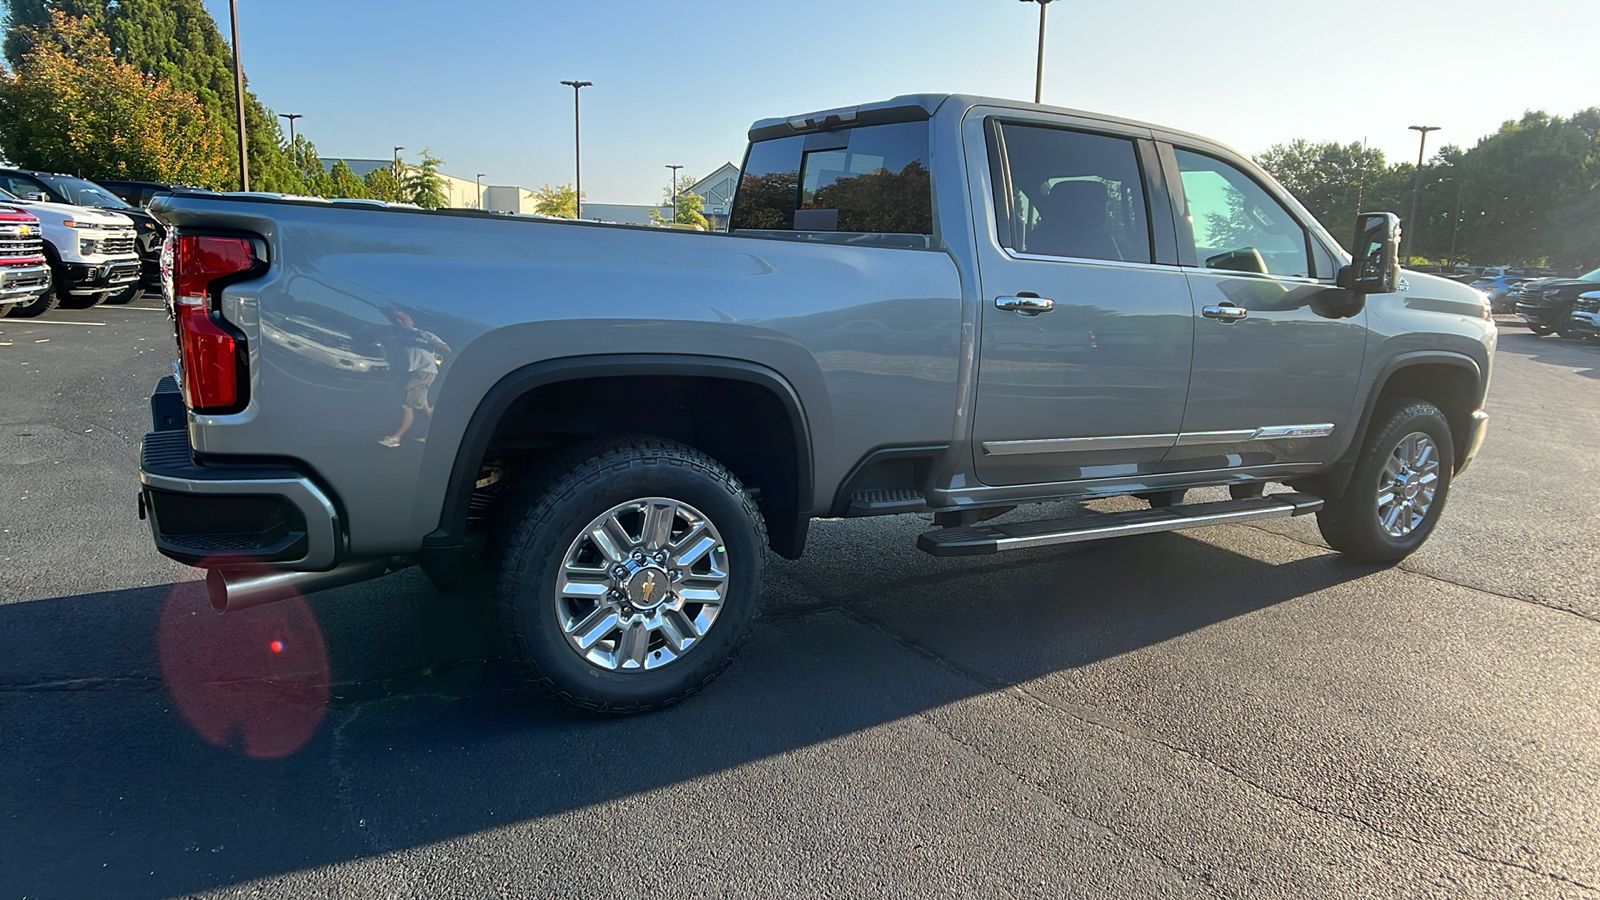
point(294, 151)
point(238, 97)
point(1416, 190)
point(1461, 191)
point(674, 191)
point(479, 182)
point(1038, 77)
point(577, 148)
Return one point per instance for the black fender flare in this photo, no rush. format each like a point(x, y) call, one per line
point(441, 551)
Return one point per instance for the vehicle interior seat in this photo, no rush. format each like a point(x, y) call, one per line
point(1074, 220)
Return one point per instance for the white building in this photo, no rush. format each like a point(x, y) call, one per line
point(717, 189)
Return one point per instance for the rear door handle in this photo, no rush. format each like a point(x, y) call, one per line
point(1227, 312)
point(1025, 303)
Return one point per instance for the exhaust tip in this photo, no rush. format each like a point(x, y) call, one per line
point(241, 587)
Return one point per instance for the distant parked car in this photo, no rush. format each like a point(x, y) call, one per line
point(1546, 303)
point(1586, 315)
point(90, 253)
point(140, 193)
point(56, 188)
point(24, 273)
point(1498, 287)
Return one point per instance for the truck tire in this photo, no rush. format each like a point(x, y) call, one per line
point(81, 301)
point(629, 582)
point(38, 306)
point(1399, 486)
point(127, 295)
point(1541, 330)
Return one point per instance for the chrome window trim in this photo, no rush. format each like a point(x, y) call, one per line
point(1234, 273)
point(1084, 260)
point(1150, 441)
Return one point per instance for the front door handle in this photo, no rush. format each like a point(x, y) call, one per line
point(1026, 303)
point(1227, 312)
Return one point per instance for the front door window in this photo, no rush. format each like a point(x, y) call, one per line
point(1235, 225)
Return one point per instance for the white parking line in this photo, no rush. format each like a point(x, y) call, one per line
point(49, 322)
point(147, 308)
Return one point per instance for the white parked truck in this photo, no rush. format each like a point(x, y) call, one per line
point(91, 253)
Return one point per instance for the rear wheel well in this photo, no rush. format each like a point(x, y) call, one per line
point(741, 424)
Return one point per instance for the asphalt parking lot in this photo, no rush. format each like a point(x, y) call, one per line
point(1225, 712)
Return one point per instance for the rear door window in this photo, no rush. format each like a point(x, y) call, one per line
point(871, 179)
point(1071, 194)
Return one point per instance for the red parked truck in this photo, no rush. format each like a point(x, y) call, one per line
point(24, 274)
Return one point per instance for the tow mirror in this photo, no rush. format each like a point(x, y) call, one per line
point(37, 196)
point(1376, 269)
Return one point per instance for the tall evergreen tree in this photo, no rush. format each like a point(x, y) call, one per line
point(178, 42)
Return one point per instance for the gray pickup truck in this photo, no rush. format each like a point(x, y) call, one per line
point(944, 305)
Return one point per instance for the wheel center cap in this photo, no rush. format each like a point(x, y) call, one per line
point(1411, 490)
point(648, 588)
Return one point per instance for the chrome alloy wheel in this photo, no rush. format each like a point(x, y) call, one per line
point(641, 584)
point(1407, 485)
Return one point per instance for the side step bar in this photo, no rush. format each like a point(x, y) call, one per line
point(981, 540)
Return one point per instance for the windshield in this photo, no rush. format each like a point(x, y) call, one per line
point(84, 193)
point(1590, 276)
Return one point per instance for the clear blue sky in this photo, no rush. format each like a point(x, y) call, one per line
point(680, 82)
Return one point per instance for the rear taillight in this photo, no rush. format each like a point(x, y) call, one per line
point(211, 352)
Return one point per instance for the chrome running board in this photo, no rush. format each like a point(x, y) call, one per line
point(979, 540)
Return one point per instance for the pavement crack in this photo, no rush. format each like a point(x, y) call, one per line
point(1442, 580)
point(104, 683)
point(1094, 717)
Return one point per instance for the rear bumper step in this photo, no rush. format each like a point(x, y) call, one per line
point(981, 540)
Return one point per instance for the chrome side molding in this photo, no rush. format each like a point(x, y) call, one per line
point(1149, 441)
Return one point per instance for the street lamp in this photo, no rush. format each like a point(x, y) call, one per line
point(577, 148)
point(479, 182)
point(293, 150)
point(1038, 77)
point(1416, 190)
point(674, 191)
point(238, 97)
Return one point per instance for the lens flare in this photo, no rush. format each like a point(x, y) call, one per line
point(255, 680)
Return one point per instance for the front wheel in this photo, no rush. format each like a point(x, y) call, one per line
point(1398, 490)
point(630, 581)
point(124, 296)
point(1541, 330)
point(38, 306)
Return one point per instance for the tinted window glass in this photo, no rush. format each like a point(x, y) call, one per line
point(1073, 195)
point(21, 186)
point(872, 179)
point(85, 193)
point(1236, 224)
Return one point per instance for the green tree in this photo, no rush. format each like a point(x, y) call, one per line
point(560, 201)
point(422, 184)
point(177, 42)
point(343, 183)
point(1332, 180)
point(383, 184)
point(71, 106)
point(688, 207)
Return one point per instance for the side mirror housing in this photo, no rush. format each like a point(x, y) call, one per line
point(1376, 269)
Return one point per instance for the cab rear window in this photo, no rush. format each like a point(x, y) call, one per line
point(871, 179)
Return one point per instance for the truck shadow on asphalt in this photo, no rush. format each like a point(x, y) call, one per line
point(429, 736)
